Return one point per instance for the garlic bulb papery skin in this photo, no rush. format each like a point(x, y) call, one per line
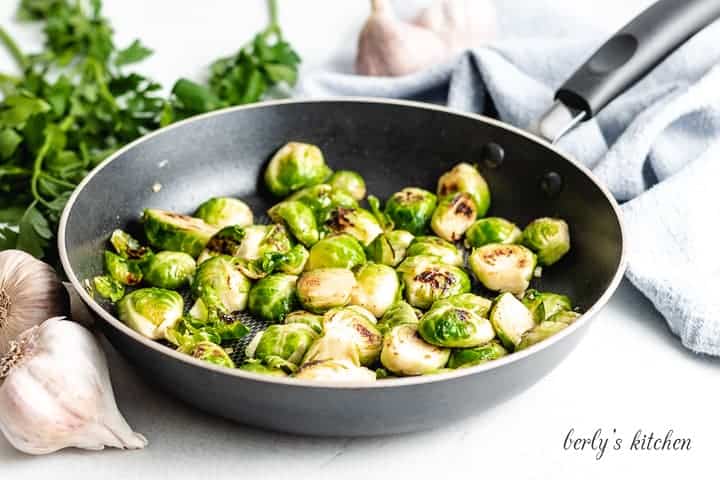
point(30, 293)
point(388, 46)
point(56, 393)
point(462, 24)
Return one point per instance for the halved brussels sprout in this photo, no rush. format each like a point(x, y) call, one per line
point(549, 238)
point(323, 198)
point(127, 272)
point(210, 352)
point(349, 181)
point(335, 371)
point(293, 262)
point(335, 344)
point(448, 326)
point(357, 222)
point(170, 270)
point(337, 251)
point(325, 288)
point(376, 289)
point(503, 268)
point(446, 252)
point(108, 287)
point(281, 346)
point(453, 216)
point(273, 297)
point(511, 319)
point(465, 178)
point(151, 311)
point(543, 305)
point(225, 211)
point(400, 313)
point(298, 218)
point(257, 367)
point(469, 301)
point(390, 248)
point(294, 166)
point(411, 209)
point(565, 316)
point(178, 233)
point(227, 241)
point(312, 320)
point(128, 247)
point(540, 332)
point(426, 280)
point(362, 328)
point(404, 352)
point(221, 285)
point(492, 230)
point(261, 239)
point(469, 357)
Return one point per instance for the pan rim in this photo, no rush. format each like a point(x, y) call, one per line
point(386, 383)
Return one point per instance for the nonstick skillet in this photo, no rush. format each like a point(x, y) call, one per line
point(392, 144)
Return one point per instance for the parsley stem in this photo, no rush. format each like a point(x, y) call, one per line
point(57, 181)
point(13, 48)
point(272, 7)
point(37, 170)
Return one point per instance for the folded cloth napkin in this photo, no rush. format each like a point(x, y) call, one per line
point(657, 147)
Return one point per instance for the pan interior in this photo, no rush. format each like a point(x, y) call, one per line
point(392, 145)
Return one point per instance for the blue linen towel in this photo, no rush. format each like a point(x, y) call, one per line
point(657, 147)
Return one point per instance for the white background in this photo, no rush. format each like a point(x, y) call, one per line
point(629, 373)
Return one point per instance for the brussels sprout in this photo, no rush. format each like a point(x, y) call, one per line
point(492, 230)
point(511, 319)
point(400, 313)
point(469, 301)
point(273, 297)
point(426, 280)
point(362, 327)
point(469, 357)
point(225, 211)
point(376, 289)
point(293, 262)
point(565, 316)
point(543, 305)
point(404, 352)
point(549, 238)
point(310, 319)
point(257, 367)
point(151, 311)
point(465, 178)
point(227, 241)
point(122, 270)
point(325, 288)
point(337, 251)
point(448, 326)
point(261, 239)
point(390, 248)
point(446, 252)
point(298, 218)
point(539, 333)
point(128, 247)
point(213, 328)
point(335, 344)
point(281, 346)
point(210, 352)
point(335, 371)
point(357, 222)
point(411, 209)
point(108, 287)
point(453, 216)
point(294, 166)
point(349, 181)
point(170, 270)
point(221, 285)
point(323, 198)
point(503, 268)
point(175, 232)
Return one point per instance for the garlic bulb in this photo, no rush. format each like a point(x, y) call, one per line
point(30, 293)
point(388, 46)
point(57, 393)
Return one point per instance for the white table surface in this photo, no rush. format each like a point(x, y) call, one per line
point(629, 373)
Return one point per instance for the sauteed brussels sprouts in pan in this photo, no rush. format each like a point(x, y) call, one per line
point(336, 290)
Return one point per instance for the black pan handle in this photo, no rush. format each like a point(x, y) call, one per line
point(626, 58)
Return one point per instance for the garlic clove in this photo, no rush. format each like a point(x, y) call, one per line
point(57, 393)
point(388, 46)
point(462, 24)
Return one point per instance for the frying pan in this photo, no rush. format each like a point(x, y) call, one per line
point(392, 144)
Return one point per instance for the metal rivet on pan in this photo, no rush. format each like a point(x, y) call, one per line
point(551, 183)
point(493, 155)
